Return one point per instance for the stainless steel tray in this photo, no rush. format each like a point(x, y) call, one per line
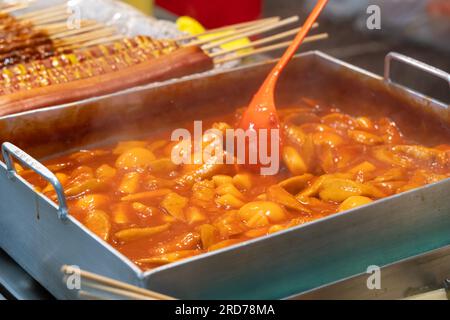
point(41, 237)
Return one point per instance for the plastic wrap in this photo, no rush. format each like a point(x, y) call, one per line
point(127, 19)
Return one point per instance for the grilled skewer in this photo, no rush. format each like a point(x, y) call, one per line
point(22, 41)
point(181, 62)
point(83, 64)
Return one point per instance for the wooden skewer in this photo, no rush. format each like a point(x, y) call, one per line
point(88, 36)
point(62, 26)
point(42, 20)
point(259, 42)
point(107, 31)
point(89, 296)
point(13, 8)
point(49, 20)
point(116, 284)
point(61, 32)
point(54, 27)
point(40, 12)
point(43, 15)
point(250, 33)
point(117, 292)
point(224, 35)
point(102, 40)
point(230, 27)
point(80, 43)
point(73, 32)
point(270, 48)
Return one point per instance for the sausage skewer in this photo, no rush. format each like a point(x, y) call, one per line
point(181, 62)
point(83, 64)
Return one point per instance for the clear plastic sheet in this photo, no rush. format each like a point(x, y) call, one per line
point(128, 20)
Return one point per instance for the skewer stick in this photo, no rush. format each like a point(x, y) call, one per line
point(74, 32)
point(259, 42)
point(62, 26)
point(59, 33)
point(117, 292)
point(250, 33)
point(40, 20)
point(229, 34)
point(96, 42)
point(89, 296)
point(12, 8)
point(43, 15)
point(270, 48)
point(40, 12)
point(48, 20)
point(116, 284)
point(230, 27)
point(89, 36)
point(54, 27)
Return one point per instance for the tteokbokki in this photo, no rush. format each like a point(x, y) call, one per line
point(156, 212)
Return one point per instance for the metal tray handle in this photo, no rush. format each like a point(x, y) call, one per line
point(414, 63)
point(9, 150)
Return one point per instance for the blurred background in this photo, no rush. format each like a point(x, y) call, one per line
point(417, 28)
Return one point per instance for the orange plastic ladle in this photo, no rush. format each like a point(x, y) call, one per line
point(261, 113)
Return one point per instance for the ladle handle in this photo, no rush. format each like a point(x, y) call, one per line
point(289, 53)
